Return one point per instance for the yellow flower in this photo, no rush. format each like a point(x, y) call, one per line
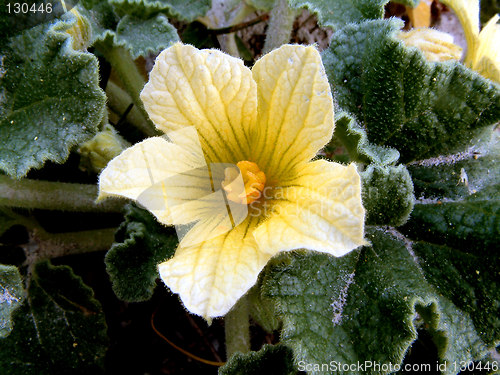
point(435, 45)
point(265, 126)
point(483, 52)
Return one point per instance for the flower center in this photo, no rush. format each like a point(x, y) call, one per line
point(254, 181)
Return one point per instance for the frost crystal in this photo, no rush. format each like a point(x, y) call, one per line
point(338, 304)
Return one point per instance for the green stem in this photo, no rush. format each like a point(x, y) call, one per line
point(133, 82)
point(229, 41)
point(237, 327)
point(119, 100)
point(280, 26)
point(54, 245)
point(48, 195)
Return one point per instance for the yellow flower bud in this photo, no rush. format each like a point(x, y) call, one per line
point(436, 45)
point(96, 153)
point(81, 32)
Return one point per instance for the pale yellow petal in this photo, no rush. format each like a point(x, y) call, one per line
point(320, 210)
point(295, 108)
point(140, 169)
point(488, 54)
point(209, 90)
point(467, 12)
point(435, 45)
point(210, 277)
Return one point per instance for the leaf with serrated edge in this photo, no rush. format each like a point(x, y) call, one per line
point(51, 99)
point(183, 10)
point(271, 359)
point(142, 37)
point(101, 16)
point(337, 13)
point(362, 307)
point(11, 296)
point(422, 109)
point(387, 195)
point(355, 140)
point(141, 244)
point(59, 330)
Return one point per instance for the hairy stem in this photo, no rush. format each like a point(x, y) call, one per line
point(131, 78)
point(119, 100)
point(49, 195)
point(280, 26)
point(237, 328)
point(54, 245)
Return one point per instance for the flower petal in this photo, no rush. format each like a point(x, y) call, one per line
point(467, 12)
point(435, 45)
point(139, 170)
point(320, 210)
point(488, 54)
point(209, 90)
point(295, 108)
point(210, 277)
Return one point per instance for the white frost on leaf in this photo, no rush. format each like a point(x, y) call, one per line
point(338, 304)
point(6, 297)
point(472, 152)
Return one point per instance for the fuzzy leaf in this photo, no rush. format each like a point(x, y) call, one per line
point(139, 32)
point(409, 3)
point(51, 99)
point(337, 13)
point(354, 138)
point(101, 16)
point(11, 296)
point(141, 244)
point(422, 109)
point(363, 306)
point(183, 10)
point(142, 37)
point(60, 329)
point(270, 360)
point(457, 176)
point(459, 200)
point(387, 195)
point(262, 309)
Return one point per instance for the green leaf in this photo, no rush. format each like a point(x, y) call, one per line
point(142, 37)
point(141, 244)
point(337, 13)
point(459, 201)
point(59, 330)
point(141, 32)
point(422, 109)
point(262, 309)
point(265, 5)
point(101, 16)
point(355, 140)
point(387, 195)
point(470, 281)
point(51, 100)
point(409, 3)
point(457, 176)
point(363, 306)
point(466, 225)
point(11, 296)
point(270, 360)
point(183, 10)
